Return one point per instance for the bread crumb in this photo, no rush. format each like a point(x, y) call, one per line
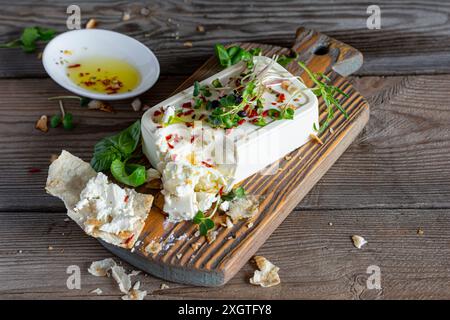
point(97, 291)
point(358, 241)
point(200, 28)
point(41, 124)
point(420, 232)
point(91, 24)
point(188, 44)
point(267, 275)
point(164, 286)
point(153, 247)
point(126, 16)
point(316, 139)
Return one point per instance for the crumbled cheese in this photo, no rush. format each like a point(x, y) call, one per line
point(224, 206)
point(102, 267)
point(267, 275)
point(136, 104)
point(211, 236)
point(243, 208)
point(97, 291)
point(153, 174)
point(164, 286)
point(122, 278)
point(358, 241)
point(135, 293)
point(153, 247)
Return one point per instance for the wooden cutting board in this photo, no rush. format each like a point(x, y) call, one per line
point(191, 259)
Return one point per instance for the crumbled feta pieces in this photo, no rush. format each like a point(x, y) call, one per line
point(153, 174)
point(102, 267)
point(164, 286)
point(358, 241)
point(211, 236)
point(122, 278)
point(97, 291)
point(243, 208)
point(267, 275)
point(135, 293)
point(153, 247)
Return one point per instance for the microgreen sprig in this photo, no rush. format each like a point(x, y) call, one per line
point(328, 93)
point(204, 223)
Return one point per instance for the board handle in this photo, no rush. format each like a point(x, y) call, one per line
point(323, 54)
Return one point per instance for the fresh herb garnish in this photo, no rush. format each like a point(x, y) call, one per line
point(130, 174)
point(328, 93)
point(67, 121)
point(204, 223)
point(30, 36)
point(284, 60)
point(235, 54)
point(120, 147)
point(55, 120)
point(234, 194)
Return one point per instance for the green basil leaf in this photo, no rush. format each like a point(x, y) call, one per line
point(222, 55)
point(128, 139)
point(102, 160)
point(46, 34)
point(131, 174)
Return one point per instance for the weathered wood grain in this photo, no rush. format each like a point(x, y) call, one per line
point(414, 36)
point(401, 159)
point(316, 260)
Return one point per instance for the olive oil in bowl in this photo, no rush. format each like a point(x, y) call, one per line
point(104, 75)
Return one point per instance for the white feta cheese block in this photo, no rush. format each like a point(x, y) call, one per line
point(230, 155)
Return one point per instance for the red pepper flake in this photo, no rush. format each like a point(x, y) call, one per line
point(189, 112)
point(126, 198)
point(296, 99)
point(274, 103)
point(187, 105)
point(206, 164)
point(241, 121)
point(129, 239)
point(157, 113)
point(81, 74)
point(221, 191)
point(189, 124)
point(192, 139)
point(168, 137)
point(159, 127)
point(253, 113)
point(34, 170)
point(281, 97)
point(74, 65)
point(201, 117)
point(265, 113)
point(170, 146)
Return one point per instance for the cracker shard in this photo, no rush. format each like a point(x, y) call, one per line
point(267, 275)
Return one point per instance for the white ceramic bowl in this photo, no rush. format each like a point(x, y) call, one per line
point(104, 43)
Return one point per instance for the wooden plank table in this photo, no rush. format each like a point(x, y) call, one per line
point(391, 182)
